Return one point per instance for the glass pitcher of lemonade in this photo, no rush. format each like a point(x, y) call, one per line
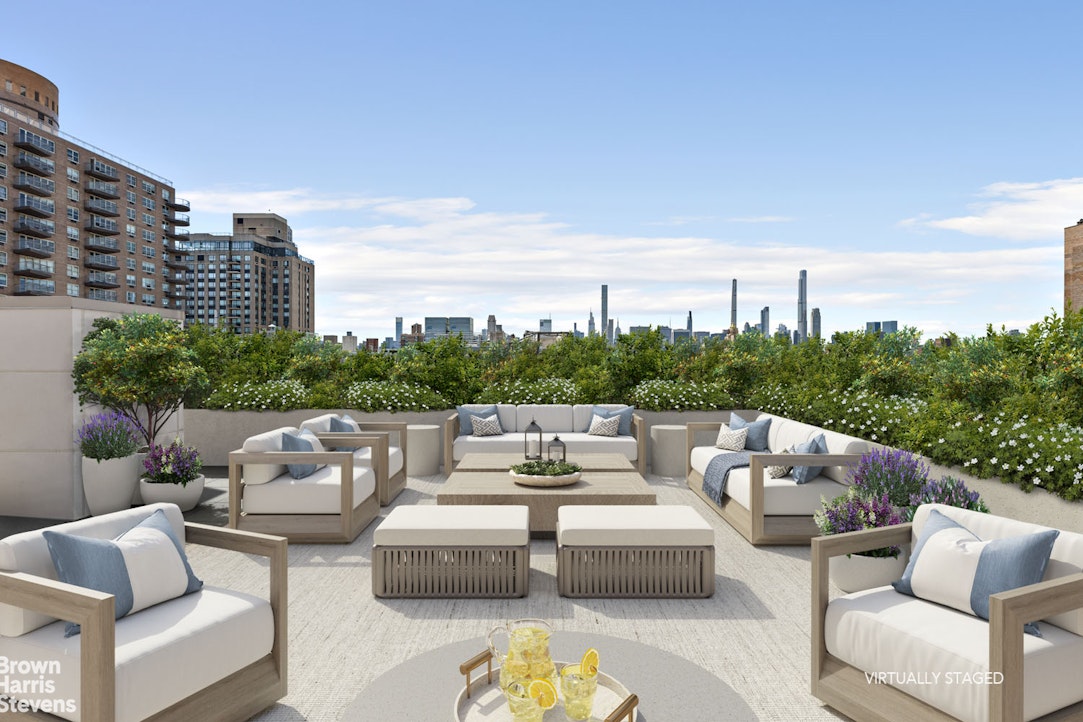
point(527, 657)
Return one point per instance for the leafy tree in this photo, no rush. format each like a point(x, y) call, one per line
point(139, 366)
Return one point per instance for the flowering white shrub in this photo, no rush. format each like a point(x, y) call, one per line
point(658, 395)
point(542, 391)
point(281, 395)
point(392, 396)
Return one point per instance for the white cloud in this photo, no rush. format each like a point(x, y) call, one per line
point(377, 258)
point(1016, 211)
point(761, 219)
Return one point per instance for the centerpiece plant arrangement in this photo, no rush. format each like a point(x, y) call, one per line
point(108, 442)
point(172, 474)
point(546, 467)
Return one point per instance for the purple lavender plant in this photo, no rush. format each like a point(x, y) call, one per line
point(108, 435)
point(173, 464)
point(948, 490)
point(854, 511)
point(897, 473)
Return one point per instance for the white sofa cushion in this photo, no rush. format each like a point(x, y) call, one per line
point(505, 412)
point(781, 497)
point(320, 424)
point(476, 525)
point(577, 443)
point(1065, 559)
point(882, 631)
point(632, 525)
point(163, 654)
point(363, 455)
point(28, 552)
point(267, 441)
point(552, 418)
point(318, 493)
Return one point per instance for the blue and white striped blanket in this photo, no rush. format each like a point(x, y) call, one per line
point(718, 472)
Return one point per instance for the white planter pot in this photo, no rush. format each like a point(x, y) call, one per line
point(856, 573)
point(109, 484)
point(186, 497)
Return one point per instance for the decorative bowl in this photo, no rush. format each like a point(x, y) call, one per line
point(541, 480)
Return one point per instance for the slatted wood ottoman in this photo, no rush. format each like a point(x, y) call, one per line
point(634, 551)
point(452, 551)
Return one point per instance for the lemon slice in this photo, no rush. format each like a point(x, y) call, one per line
point(589, 663)
point(544, 692)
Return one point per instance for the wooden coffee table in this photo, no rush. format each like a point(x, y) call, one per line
point(497, 487)
point(503, 462)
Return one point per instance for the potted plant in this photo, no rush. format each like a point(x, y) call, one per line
point(172, 475)
point(948, 490)
point(898, 474)
point(108, 442)
point(546, 472)
point(853, 511)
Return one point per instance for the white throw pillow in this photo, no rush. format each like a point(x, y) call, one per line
point(604, 427)
point(731, 440)
point(486, 425)
point(777, 472)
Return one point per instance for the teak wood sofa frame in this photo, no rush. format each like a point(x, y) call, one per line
point(755, 526)
point(239, 696)
point(846, 689)
point(342, 527)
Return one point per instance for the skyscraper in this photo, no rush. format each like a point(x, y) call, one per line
point(590, 323)
point(1073, 267)
point(605, 314)
point(765, 321)
point(816, 323)
point(689, 322)
point(733, 309)
point(802, 307)
point(398, 331)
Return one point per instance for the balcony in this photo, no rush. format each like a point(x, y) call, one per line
point(172, 262)
point(101, 170)
point(97, 205)
point(34, 227)
point(35, 247)
point(35, 268)
point(101, 261)
point(34, 206)
point(177, 292)
point(179, 204)
point(179, 219)
point(98, 224)
point(98, 294)
point(175, 233)
point(43, 166)
point(101, 279)
point(35, 143)
point(103, 189)
point(34, 184)
point(101, 244)
point(35, 287)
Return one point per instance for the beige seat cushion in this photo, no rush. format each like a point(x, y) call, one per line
point(552, 418)
point(363, 455)
point(267, 441)
point(880, 630)
point(577, 443)
point(632, 525)
point(163, 653)
point(458, 526)
point(318, 493)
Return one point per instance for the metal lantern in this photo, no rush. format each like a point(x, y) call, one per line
point(557, 449)
point(532, 442)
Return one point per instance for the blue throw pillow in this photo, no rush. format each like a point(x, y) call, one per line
point(757, 431)
point(144, 566)
point(466, 427)
point(805, 474)
point(950, 565)
point(625, 415)
point(345, 424)
point(302, 442)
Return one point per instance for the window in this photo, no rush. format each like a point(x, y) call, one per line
point(130, 229)
point(73, 253)
point(148, 299)
point(3, 280)
point(131, 214)
point(148, 267)
point(130, 195)
point(3, 235)
point(148, 251)
point(73, 271)
point(148, 203)
point(148, 236)
point(131, 183)
point(73, 156)
point(73, 289)
point(3, 258)
point(73, 194)
point(131, 245)
point(148, 219)
point(73, 214)
point(165, 194)
point(73, 234)
point(3, 170)
point(130, 280)
point(148, 283)
point(131, 264)
point(4, 193)
point(148, 187)
point(4, 123)
point(130, 296)
point(73, 175)
point(3, 149)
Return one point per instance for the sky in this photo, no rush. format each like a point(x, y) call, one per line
point(464, 158)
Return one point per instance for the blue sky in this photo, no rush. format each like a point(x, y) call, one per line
point(920, 160)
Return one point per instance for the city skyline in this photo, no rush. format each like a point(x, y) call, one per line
point(462, 165)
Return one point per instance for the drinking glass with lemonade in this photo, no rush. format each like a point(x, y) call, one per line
point(578, 683)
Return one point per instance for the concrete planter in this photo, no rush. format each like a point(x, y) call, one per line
point(108, 484)
point(186, 497)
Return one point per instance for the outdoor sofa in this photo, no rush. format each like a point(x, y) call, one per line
point(209, 654)
point(570, 422)
point(884, 655)
point(386, 459)
point(333, 502)
point(768, 510)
